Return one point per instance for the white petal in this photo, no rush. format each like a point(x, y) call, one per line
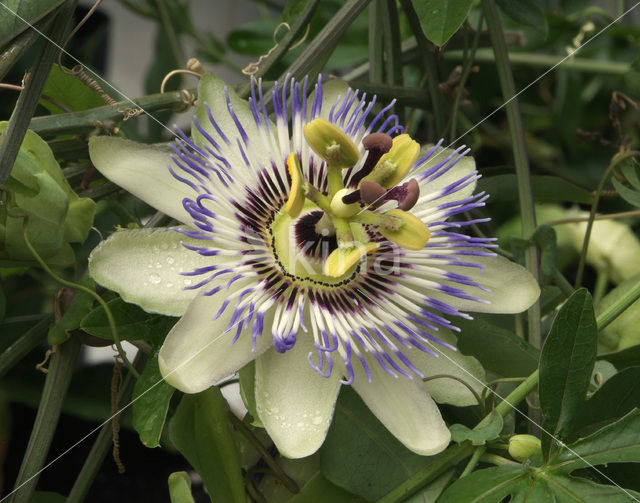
point(144, 265)
point(461, 169)
point(197, 352)
point(294, 402)
point(512, 288)
point(453, 363)
point(143, 171)
point(405, 408)
point(211, 91)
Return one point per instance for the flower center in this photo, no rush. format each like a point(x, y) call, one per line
point(330, 231)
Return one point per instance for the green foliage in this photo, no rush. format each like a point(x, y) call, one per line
point(180, 488)
point(56, 215)
point(68, 91)
point(151, 398)
point(72, 318)
point(133, 323)
point(481, 433)
point(526, 12)
point(360, 455)
point(566, 363)
point(441, 19)
point(200, 430)
point(31, 12)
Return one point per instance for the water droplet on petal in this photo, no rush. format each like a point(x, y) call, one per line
point(170, 260)
point(154, 278)
point(317, 420)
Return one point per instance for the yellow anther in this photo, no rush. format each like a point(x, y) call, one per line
point(340, 209)
point(294, 204)
point(331, 144)
point(341, 260)
point(395, 164)
point(412, 234)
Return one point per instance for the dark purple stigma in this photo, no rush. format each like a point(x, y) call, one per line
point(374, 194)
point(376, 145)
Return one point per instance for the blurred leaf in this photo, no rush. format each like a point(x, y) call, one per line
point(180, 488)
point(545, 238)
point(625, 358)
point(320, 490)
point(47, 496)
point(56, 214)
point(31, 11)
point(291, 10)
point(431, 492)
point(623, 331)
point(546, 189)
point(69, 91)
point(631, 173)
point(255, 37)
point(133, 323)
point(150, 404)
point(360, 455)
point(480, 434)
point(527, 13)
point(441, 18)
point(617, 397)
point(71, 319)
point(629, 195)
point(516, 357)
point(566, 363)
point(201, 431)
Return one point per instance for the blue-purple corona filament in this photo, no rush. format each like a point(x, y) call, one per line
point(395, 300)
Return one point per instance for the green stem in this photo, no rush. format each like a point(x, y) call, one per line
point(322, 45)
point(439, 465)
point(602, 281)
point(562, 283)
point(55, 388)
point(88, 120)
point(525, 192)
point(287, 41)
point(429, 65)
point(20, 348)
point(165, 18)
point(516, 396)
point(88, 291)
point(376, 48)
point(617, 159)
point(13, 52)
point(473, 461)
point(30, 95)
point(278, 472)
point(618, 307)
point(494, 459)
point(103, 442)
point(547, 61)
point(466, 70)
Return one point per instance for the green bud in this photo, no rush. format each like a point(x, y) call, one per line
point(331, 144)
point(412, 234)
point(522, 447)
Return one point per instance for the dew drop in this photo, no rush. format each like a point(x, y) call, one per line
point(154, 278)
point(170, 260)
point(317, 420)
point(169, 285)
point(187, 282)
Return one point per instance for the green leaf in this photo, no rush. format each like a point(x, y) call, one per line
point(133, 323)
point(11, 25)
point(525, 12)
point(516, 357)
point(47, 497)
point(320, 490)
point(180, 488)
point(545, 238)
point(566, 363)
point(618, 442)
point(431, 492)
point(489, 485)
point(201, 431)
point(69, 91)
point(247, 382)
point(71, 319)
point(617, 397)
point(546, 189)
point(440, 19)
point(631, 173)
point(629, 195)
point(360, 455)
point(628, 357)
point(480, 434)
point(151, 398)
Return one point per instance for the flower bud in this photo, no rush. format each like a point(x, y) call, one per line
point(412, 234)
point(331, 144)
point(522, 447)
